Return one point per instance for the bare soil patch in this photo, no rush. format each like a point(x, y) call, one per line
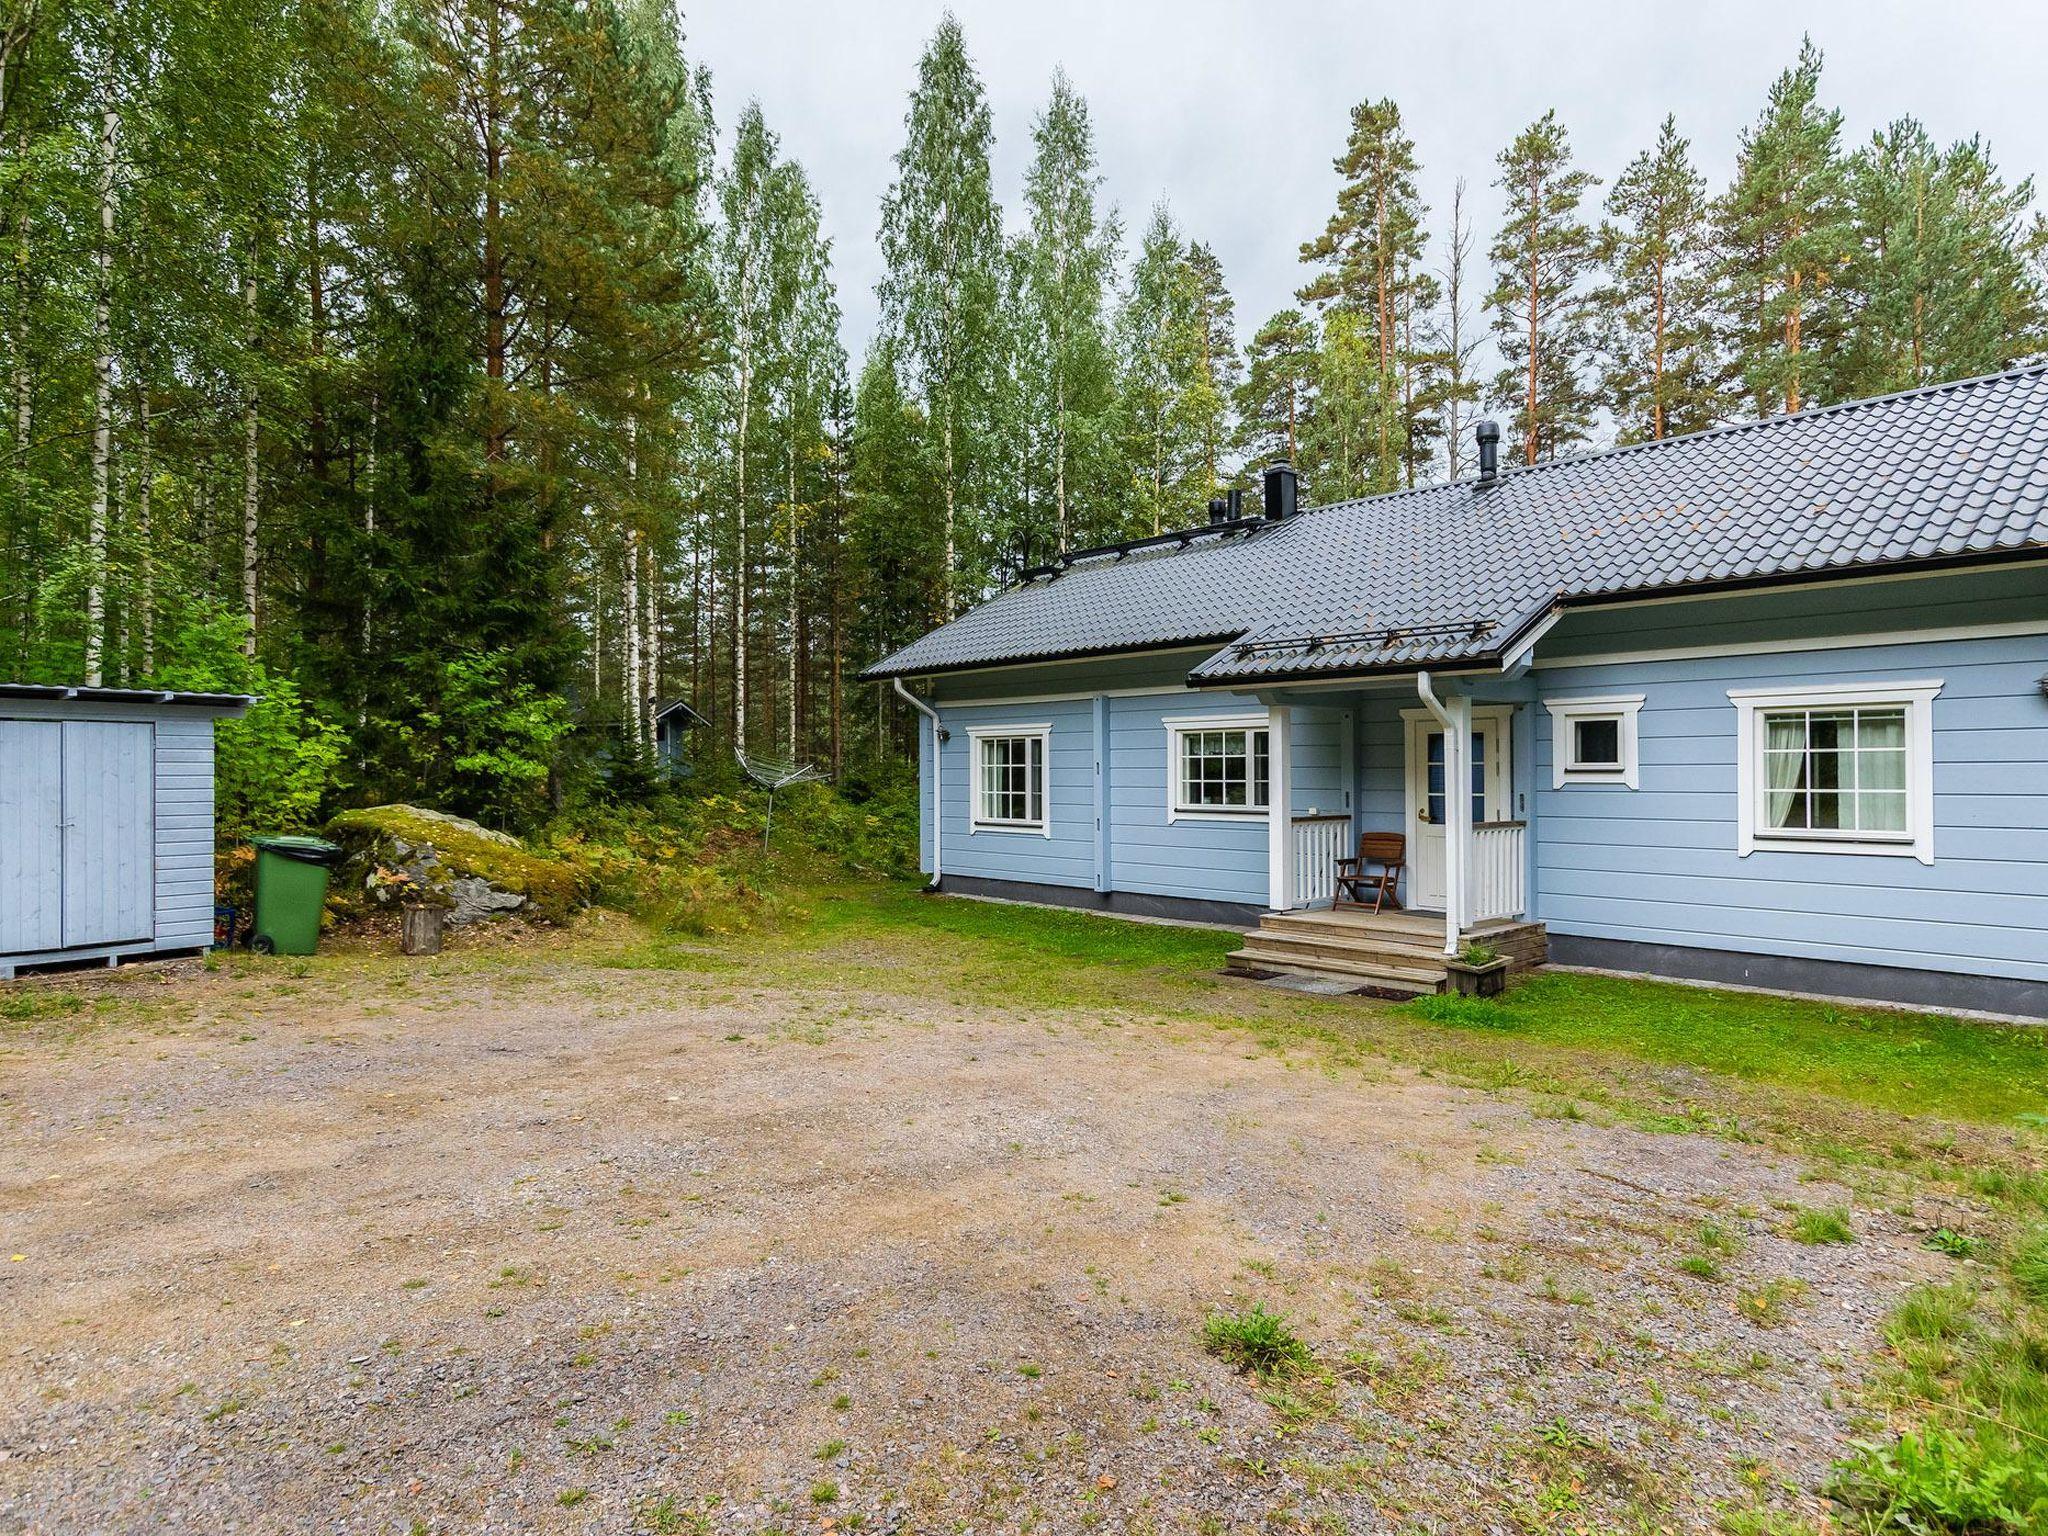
point(545, 1245)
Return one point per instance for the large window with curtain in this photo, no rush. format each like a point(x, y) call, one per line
point(1845, 768)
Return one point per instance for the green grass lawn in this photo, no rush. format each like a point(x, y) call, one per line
point(1913, 1063)
point(1905, 1063)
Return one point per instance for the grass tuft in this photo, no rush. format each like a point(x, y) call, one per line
point(1823, 1226)
point(1256, 1341)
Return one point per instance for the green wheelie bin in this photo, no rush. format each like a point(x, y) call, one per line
point(291, 888)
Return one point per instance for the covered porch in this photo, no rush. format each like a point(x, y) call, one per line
point(1380, 756)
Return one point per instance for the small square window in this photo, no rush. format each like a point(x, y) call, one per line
point(1596, 743)
point(1593, 741)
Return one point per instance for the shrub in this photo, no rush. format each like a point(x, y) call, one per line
point(1255, 1341)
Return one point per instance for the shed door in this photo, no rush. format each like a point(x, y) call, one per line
point(109, 832)
point(31, 835)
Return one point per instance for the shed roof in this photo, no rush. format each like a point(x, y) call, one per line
point(1456, 573)
point(58, 692)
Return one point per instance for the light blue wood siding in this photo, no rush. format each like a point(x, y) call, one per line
point(31, 842)
point(107, 844)
point(1106, 783)
point(109, 832)
point(1659, 864)
point(184, 832)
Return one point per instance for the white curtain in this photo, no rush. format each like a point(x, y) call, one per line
point(1784, 768)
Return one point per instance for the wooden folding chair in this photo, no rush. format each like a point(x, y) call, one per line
point(1356, 878)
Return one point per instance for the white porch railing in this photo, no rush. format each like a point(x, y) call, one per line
point(1319, 841)
point(1498, 878)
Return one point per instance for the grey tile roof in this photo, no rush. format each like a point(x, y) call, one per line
point(1453, 573)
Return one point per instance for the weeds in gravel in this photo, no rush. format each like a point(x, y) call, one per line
point(1255, 1341)
point(1822, 1226)
point(569, 1498)
point(1771, 1303)
point(1957, 1245)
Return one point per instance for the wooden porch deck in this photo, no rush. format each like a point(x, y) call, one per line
point(1388, 954)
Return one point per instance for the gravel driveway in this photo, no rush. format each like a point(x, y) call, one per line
point(544, 1245)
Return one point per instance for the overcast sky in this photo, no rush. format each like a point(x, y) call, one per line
point(1232, 112)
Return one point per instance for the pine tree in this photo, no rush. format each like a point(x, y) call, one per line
point(1371, 254)
point(1067, 259)
point(1785, 228)
point(1542, 260)
point(1457, 337)
point(1341, 443)
point(1662, 372)
point(942, 246)
point(1940, 284)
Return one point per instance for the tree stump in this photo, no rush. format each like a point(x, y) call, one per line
point(420, 930)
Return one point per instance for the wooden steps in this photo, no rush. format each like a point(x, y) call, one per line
point(1391, 954)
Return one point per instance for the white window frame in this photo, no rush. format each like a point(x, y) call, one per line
point(1179, 726)
point(1622, 708)
point(1751, 707)
point(976, 821)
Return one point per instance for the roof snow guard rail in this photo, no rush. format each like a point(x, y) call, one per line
point(1180, 538)
point(1387, 639)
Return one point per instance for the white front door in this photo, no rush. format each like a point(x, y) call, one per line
point(1428, 812)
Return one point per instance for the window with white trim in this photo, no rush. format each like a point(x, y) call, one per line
point(1009, 778)
point(1219, 767)
point(1593, 741)
point(1843, 769)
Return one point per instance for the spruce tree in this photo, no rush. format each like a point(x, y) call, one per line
point(1219, 369)
point(943, 249)
point(1543, 258)
point(1661, 373)
point(1160, 336)
point(1066, 262)
point(1277, 396)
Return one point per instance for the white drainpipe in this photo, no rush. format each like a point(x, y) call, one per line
point(939, 735)
point(1455, 776)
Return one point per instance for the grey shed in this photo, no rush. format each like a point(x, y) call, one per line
point(106, 822)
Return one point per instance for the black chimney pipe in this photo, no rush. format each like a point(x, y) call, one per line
point(1488, 434)
point(1282, 490)
point(1219, 511)
point(1233, 503)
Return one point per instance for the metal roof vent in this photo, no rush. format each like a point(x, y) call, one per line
point(1219, 511)
point(1488, 434)
point(1283, 491)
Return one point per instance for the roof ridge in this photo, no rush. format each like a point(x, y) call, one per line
point(1724, 429)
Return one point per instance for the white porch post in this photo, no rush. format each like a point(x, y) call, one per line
point(1454, 714)
point(1458, 806)
point(1279, 813)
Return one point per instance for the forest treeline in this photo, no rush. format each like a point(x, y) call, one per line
point(438, 369)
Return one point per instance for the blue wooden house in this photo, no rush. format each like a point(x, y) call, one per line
point(1762, 705)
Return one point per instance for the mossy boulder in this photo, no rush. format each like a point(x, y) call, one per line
point(398, 855)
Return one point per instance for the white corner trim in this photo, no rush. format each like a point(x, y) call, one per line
point(1917, 697)
point(976, 825)
point(1621, 707)
point(1176, 725)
